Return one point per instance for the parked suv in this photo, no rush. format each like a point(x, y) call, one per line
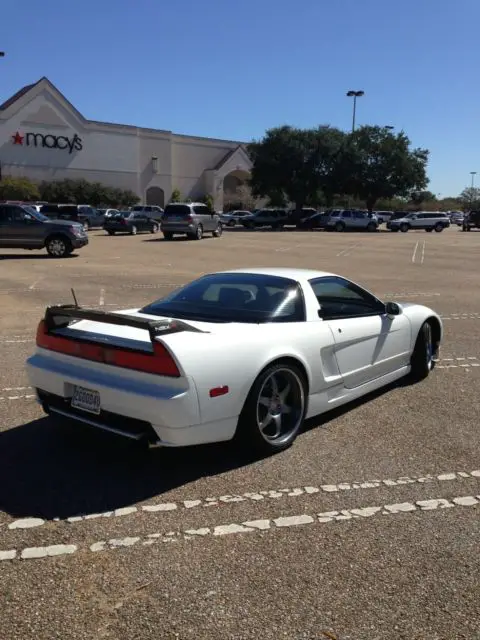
point(471, 221)
point(274, 218)
point(427, 220)
point(84, 213)
point(22, 227)
point(352, 219)
point(192, 219)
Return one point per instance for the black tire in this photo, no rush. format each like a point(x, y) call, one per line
point(58, 246)
point(218, 231)
point(133, 230)
point(231, 223)
point(429, 229)
point(371, 226)
point(439, 227)
point(422, 361)
point(167, 235)
point(404, 227)
point(198, 232)
point(111, 233)
point(339, 226)
point(86, 225)
point(254, 413)
point(154, 228)
point(394, 230)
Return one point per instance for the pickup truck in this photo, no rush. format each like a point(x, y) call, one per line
point(22, 227)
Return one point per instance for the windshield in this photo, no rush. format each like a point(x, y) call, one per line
point(234, 297)
point(34, 213)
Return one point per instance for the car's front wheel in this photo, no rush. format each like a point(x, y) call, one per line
point(167, 235)
point(59, 247)
point(274, 410)
point(339, 226)
point(86, 225)
point(439, 227)
point(423, 361)
point(371, 226)
point(133, 230)
point(218, 231)
point(111, 233)
point(404, 227)
point(154, 228)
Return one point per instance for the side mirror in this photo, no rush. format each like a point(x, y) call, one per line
point(393, 309)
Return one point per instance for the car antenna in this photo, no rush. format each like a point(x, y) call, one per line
point(74, 297)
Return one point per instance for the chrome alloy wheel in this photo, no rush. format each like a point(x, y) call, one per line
point(57, 247)
point(280, 405)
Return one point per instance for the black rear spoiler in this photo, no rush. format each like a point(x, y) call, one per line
point(61, 316)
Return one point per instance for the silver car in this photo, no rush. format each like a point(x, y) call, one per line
point(342, 220)
point(192, 219)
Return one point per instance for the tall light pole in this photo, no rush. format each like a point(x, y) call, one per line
point(473, 174)
point(354, 95)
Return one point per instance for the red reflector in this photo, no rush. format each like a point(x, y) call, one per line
point(159, 362)
point(218, 391)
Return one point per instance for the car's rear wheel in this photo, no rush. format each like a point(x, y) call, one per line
point(218, 231)
point(59, 247)
point(423, 361)
point(275, 409)
point(167, 235)
point(429, 229)
point(439, 227)
point(199, 232)
point(371, 226)
point(339, 226)
point(404, 227)
point(111, 233)
point(133, 230)
point(154, 228)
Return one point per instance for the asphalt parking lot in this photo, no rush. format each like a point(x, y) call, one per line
point(367, 528)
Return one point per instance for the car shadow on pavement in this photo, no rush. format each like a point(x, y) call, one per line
point(56, 470)
point(35, 256)
point(51, 470)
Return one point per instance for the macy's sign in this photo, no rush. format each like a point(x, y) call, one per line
point(48, 141)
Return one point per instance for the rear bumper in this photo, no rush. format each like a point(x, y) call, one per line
point(178, 228)
point(164, 413)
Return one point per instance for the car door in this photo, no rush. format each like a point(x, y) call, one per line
point(23, 229)
point(205, 217)
point(369, 344)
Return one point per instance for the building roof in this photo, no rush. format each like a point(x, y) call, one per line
point(29, 87)
point(16, 96)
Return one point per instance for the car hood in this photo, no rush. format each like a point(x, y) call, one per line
point(63, 223)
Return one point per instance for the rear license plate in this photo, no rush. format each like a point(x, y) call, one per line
point(86, 400)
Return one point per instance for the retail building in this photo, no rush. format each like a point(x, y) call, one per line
point(44, 137)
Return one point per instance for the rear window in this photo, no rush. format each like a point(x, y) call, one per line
point(181, 210)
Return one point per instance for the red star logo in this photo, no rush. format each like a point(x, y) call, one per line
point(17, 138)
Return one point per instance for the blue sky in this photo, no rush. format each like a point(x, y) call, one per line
point(233, 68)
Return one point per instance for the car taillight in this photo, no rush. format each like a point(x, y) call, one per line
point(189, 218)
point(159, 362)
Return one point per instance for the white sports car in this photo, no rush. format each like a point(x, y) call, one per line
point(245, 354)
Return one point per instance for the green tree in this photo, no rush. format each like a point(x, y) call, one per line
point(382, 165)
point(208, 200)
point(176, 195)
point(296, 163)
point(470, 198)
point(18, 189)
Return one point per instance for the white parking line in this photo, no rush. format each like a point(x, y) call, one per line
point(415, 294)
point(423, 253)
point(348, 250)
point(247, 526)
point(461, 316)
point(101, 300)
point(414, 252)
point(256, 496)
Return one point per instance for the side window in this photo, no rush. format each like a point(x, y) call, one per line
point(359, 214)
point(4, 215)
point(339, 298)
point(346, 214)
point(16, 214)
point(201, 209)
